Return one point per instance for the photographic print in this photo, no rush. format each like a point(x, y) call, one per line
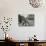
point(26, 21)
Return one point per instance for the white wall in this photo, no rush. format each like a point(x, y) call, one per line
point(12, 8)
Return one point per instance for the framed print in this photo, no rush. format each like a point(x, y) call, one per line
point(26, 21)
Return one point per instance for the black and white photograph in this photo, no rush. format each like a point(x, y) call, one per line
point(26, 21)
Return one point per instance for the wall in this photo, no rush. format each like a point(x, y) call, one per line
point(11, 8)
